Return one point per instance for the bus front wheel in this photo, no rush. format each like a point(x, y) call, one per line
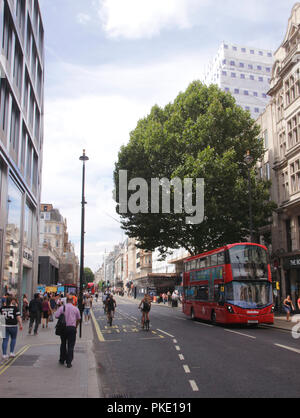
point(213, 317)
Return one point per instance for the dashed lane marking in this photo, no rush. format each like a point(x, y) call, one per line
point(240, 333)
point(164, 332)
point(194, 385)
point(186, 369)
point(295, 350)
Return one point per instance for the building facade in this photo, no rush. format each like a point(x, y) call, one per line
point(280, 124)
point(21, 142)
point(244, 72)
point(58, 262)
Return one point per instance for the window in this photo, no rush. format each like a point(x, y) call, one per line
point(266, 141)
point(233, 75)
point(236, 91)
point(250, 66)
point(7, 35)
point(261, 53)
point(288, 235)
point(243, 76)
point(4, 102)
point(18, 66)
point(252, 51)
point(255, 94)
point(234, 48)
point(14, 132)
point(243, 49)
point(232, 63)
point(20, 14)
point(242, 65)
point(267, 171)
point(259, 67)
point(225, 46)
point(268, 69)
point(293, 127)
point(256, 110)
point(246, 92)
point(264, 96)
point(224, 72)
point(260, 79)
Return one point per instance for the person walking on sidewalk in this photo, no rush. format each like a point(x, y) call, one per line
point(46, 311)
point(12, 319)
point(68, 339)
point(288, 307)
point(35, 313)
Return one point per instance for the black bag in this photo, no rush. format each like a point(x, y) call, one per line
point(61, 325)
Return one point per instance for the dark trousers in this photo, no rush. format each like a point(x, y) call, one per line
point(35, 317)
point(68, 340)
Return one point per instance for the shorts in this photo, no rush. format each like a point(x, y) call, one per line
point(45, 314)
point(87, 311)
point(146, 310)
point(287, 309)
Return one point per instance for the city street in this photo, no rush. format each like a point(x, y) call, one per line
point(180, 358)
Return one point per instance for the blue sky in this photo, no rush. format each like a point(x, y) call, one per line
point(107, 63)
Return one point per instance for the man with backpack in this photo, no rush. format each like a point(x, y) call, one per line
point(68, 334)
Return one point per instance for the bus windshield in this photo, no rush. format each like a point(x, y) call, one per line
point(248, 262)
point(248, 295)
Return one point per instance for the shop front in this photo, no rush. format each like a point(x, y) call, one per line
point(156, 284)
point(291, 278)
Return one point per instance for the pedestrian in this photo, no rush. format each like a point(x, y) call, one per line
point(25, 308)
point(46, 311)
point(88, 303)
point(68, 338)
point(288, 307)
point(35, 313)
point(12, 319)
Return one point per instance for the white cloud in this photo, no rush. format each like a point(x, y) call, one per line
point(83, 18)
point(134, 19)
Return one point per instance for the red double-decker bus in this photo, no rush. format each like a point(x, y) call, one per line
point(229, 285)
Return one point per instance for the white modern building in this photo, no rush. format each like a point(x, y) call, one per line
point(245, 72)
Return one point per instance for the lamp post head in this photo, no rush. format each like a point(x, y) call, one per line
point(84, 157)
point(248, 158)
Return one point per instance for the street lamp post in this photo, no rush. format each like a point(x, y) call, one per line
point(83, 158)
point(249, 160)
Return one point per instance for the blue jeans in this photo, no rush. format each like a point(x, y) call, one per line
point(11, 332)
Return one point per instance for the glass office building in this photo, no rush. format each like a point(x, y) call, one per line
point(21, 142)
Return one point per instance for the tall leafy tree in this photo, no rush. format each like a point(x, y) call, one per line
point(202, 134)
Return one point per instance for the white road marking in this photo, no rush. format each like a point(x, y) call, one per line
point(175, 341)
point(177, 347)
point(194, 385)
point(205, 325)
point(186, 369)
point(181, 356)
point(164, 332)
point(240, 333)
point(288, 348)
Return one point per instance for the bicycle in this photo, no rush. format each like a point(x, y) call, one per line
point(146, 323)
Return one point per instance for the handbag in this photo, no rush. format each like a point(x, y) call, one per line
point(61, 325)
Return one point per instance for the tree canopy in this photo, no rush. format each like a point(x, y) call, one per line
point(202, 134)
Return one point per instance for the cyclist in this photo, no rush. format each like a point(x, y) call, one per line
point(110, 307)
point(146, 302)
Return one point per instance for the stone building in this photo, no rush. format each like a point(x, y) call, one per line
point(280, 127)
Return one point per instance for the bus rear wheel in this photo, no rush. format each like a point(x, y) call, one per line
point(192, 314)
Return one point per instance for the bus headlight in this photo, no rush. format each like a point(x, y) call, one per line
point(273, 309)
point(230, 309)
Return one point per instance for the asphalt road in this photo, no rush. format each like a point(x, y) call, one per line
point(180, 358)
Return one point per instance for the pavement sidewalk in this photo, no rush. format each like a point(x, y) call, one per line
point(36, 373)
